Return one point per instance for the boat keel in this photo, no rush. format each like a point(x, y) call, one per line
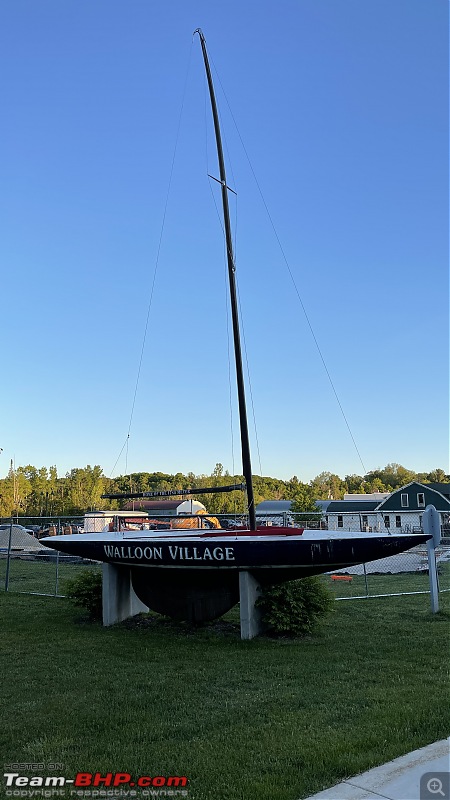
point(193, 596)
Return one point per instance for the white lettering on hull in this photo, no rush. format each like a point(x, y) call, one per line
point(171, 552)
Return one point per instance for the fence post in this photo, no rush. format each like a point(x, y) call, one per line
point(8, 556)
point(365, 580)
point(57, 572)
point(431, 524)
point(58, 531)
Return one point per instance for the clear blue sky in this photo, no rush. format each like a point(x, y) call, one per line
point(342, 107)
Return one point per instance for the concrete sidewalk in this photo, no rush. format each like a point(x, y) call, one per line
point(421, 775)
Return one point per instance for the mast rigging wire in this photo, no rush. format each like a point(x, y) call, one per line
point(158, 253)
point(227, 311)
point(297, 292)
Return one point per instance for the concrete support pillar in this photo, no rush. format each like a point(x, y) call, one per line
point(119, 599)
point(249, 590)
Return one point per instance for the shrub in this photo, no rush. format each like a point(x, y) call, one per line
point(86, 591)
point(295, 607)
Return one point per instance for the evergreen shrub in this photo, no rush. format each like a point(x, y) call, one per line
point(294, 608)
point(85, 590)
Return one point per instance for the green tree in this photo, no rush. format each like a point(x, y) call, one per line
point(43, 498)
point(15, 490)
point(303, 505)
point(6, 497)
point(354, 484)
point(375, 485)
point(437, 476)
point(392, 477)
point(328, 486)
point(85, 487)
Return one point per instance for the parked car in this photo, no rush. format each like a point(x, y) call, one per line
point(6, 527)
point(34, 528)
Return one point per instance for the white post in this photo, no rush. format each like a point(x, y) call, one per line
point(431, 524)
point(249, 590)
point(119, 599)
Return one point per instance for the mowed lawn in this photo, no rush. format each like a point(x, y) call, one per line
point(259, 720)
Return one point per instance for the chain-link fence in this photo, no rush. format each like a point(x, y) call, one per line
point(405, 573)
point(27, 566)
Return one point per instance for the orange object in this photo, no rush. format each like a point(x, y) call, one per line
point(347, 578)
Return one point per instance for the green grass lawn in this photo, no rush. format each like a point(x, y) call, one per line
point(259, 720)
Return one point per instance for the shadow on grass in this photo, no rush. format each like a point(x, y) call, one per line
point(154, 622)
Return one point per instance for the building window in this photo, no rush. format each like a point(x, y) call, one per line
point(398, 522)
point(387, 521)
point(340, 521)
point(421, 500)
point(405, 500)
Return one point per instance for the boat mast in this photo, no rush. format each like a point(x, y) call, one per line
point(245, 445)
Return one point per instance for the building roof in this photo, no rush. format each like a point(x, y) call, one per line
point(355, 506)
point(412, 490)
point(323, 505)
point(443, 488)
point(274, 507)
point(363, 498)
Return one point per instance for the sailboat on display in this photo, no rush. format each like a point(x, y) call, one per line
point(193, 574)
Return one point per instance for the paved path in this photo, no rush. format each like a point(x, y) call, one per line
point(410, 777)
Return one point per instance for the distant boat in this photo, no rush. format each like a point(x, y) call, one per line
point(193, 573)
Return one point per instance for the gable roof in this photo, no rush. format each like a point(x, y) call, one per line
point(432, 497)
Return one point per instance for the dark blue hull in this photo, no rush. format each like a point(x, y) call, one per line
point(196, 578)
point(268, 556)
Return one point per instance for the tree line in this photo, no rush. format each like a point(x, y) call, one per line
point(40, 492)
